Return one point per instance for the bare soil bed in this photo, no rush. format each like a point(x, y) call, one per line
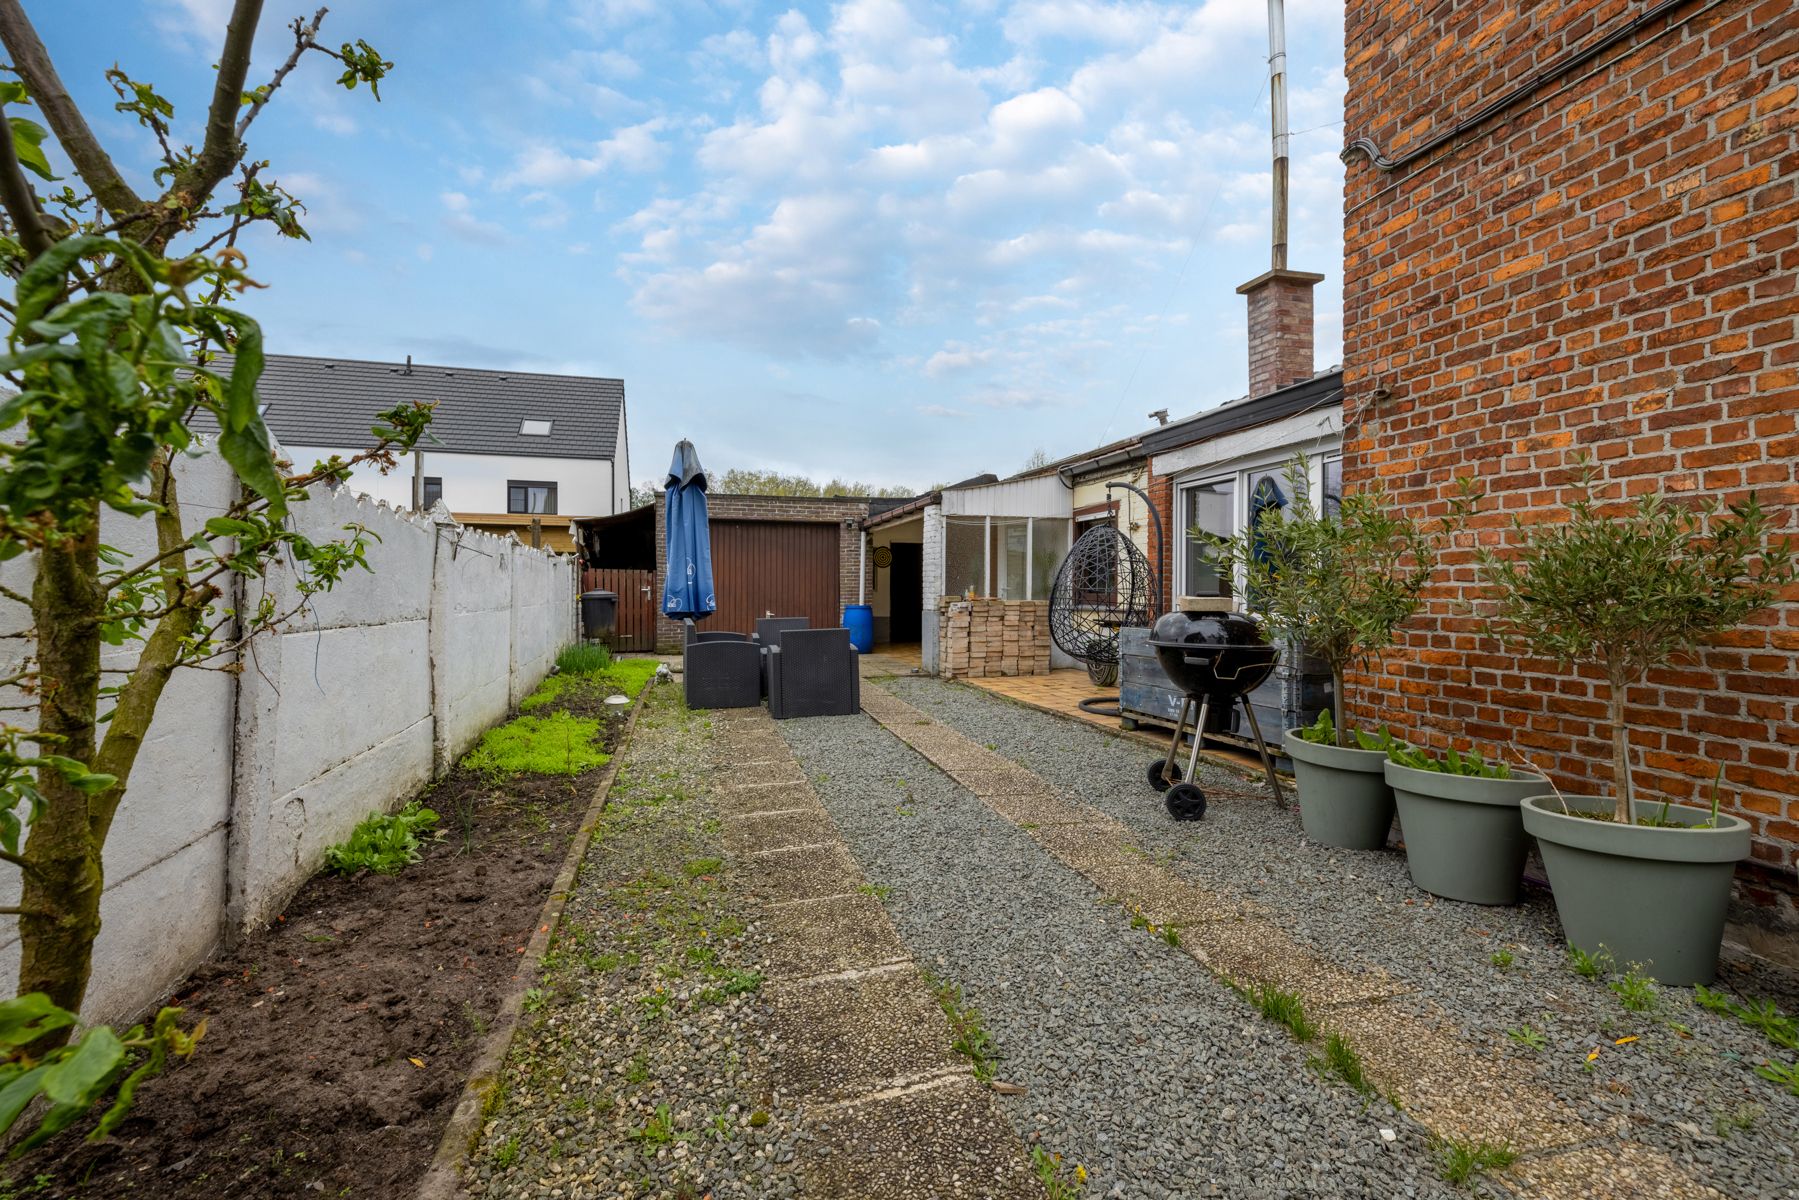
point(338, 1040)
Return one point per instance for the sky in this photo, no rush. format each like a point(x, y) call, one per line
point(901, 242)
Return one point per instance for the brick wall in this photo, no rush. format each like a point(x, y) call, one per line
point(1280, 329)
point(833, 509)
point(1607, 267)
point(981, 638)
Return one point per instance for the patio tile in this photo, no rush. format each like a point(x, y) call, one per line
point(839, 1039)
point(949, 1142)
point(1252, 952)
point(776, 876)
point(757, 832)
point(1608, 1172)
point(846, 934)
point(743, 802)
point(741, 778)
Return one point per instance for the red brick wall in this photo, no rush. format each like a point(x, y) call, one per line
point(1280, 329)
point(770, 508)
point(1608, 267)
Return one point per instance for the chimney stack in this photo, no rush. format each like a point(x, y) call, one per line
point(1280, 328)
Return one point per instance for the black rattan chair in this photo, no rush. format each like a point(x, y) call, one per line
point(813, 673)
point(722, 673)
point(769, 629)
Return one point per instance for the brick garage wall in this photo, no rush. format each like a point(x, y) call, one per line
point(1609, 267)
point(832, 509)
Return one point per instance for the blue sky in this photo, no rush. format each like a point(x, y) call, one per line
point(901, 242)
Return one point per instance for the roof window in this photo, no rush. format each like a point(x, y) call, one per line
point(530, 428)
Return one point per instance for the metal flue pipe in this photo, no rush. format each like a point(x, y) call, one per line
point(1277, 109)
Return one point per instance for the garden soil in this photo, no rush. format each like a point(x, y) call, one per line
point(337, 1041)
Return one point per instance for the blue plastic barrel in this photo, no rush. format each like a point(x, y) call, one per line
point(859, 619)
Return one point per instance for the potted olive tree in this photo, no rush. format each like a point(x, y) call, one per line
point(1625, 589)
point(1339, 585)
point(1459, 815)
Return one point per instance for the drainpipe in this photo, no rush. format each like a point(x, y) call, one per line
point(861, 566)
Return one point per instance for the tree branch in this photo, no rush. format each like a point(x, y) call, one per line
point(16, 194)
point(221, 150)
point(91, 161)
point(304, 37)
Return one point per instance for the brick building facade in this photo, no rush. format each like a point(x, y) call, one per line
point(1574, 228)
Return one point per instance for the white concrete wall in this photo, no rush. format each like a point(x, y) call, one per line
point(476, 483)
point(246, 779)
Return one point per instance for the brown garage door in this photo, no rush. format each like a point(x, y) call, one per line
point(788, 568)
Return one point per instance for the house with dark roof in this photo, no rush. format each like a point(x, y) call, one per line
point(507, 450)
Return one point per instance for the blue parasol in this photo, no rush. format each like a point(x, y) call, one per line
point(687, 589)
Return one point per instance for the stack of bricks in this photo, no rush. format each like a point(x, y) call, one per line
point(981, 638)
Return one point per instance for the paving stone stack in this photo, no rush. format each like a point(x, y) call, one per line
point(980, 638)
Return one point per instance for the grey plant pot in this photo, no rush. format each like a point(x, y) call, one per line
point(1464, 837)
point(1344, 800)
point(1643, 894)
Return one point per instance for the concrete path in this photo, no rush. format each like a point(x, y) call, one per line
point(1455, 1091)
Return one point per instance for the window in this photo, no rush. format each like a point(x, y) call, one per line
point(1008, 550)
point(530, 496)
point(1098, 587)
point(1049, 546)
point(432, 489)
point(1333, 486)
point(1205, 509)
point(530, 428)
point(964, 557)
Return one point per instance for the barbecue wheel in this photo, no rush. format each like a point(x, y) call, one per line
point(1159, 781)
point(1185, 802)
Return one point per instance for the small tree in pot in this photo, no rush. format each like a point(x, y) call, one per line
point(1339, 585)
point(1628, 588)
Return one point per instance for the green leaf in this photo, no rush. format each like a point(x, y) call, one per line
point(231, 527)
point(249, 453)
point(26, 1018)
point(27, 142)
point(17, 1094)
point(83, 1076)
point(41, 283)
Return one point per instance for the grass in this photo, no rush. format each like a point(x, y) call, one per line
point(627, 675)
point(1635, 990)
point(1502, 959)
point(879, 891)
point(1528, 1036)
point(383, 843)
point(1459, 1161)
point(583, 658)
point(1782, 1074)
point(1589, 966)
point(1340, 1061)
point(1060, 1182)
point(1762, 1014)
point(1284, 1008)
point(1742, 1118)
point(558, 744)
point(507, 1154)
point(969, 1034)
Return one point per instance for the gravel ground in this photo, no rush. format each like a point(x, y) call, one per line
point(1138, 1064)
point(1686, 1086)
point(637, 1070)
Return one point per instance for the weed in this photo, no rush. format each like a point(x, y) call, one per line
point(656, 1004)
point(721, 1125)
point(879, 891)
point(1459, 1161)
point(969, 1035)
point(507, 1154)
point(703, 866)
point(1762, 1014)
point(1502, 959)
point(1589, 966)
point(583, 658)
point(1058, 1180)
point(1636, 991)
point(1743, 1118)
point(1528, 1036)
point(1341, 1061)
point(659, 1130)
point(736, 983)
point(493, 1101)
point(320, 937)
point(536, 999)
point(639, 1070)
point(559, 744)
point(1284, 1008)
point(1782, 1074)
point(383, 843)
point(1171, 934)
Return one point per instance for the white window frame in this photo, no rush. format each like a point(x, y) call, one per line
point(1238, 475)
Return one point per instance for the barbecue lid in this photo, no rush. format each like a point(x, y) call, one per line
point(1183, 629)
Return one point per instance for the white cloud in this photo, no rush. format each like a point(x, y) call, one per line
point(632, 148)
point(460, 219)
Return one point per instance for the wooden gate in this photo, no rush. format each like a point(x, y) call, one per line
point(788, 568)
point(637, 600)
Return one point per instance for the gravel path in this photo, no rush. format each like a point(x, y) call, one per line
point(1138, 1064)
point(1686, 1085)
point(638, 1070)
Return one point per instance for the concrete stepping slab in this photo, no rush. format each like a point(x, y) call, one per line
point(845, 1037)
point(1607, 1172)
point(777, 876)
point(770, 831)
point(737, 776)
point(748, 801)
point(942, 1142)
point(1253, 952)
point(849, 933)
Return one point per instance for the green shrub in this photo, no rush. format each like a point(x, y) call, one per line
point(583, 658)
point(558, 744)
point(383, 843)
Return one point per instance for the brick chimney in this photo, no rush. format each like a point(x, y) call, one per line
point(1280, 328)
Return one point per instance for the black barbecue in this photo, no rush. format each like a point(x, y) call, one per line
point(1211, 657)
